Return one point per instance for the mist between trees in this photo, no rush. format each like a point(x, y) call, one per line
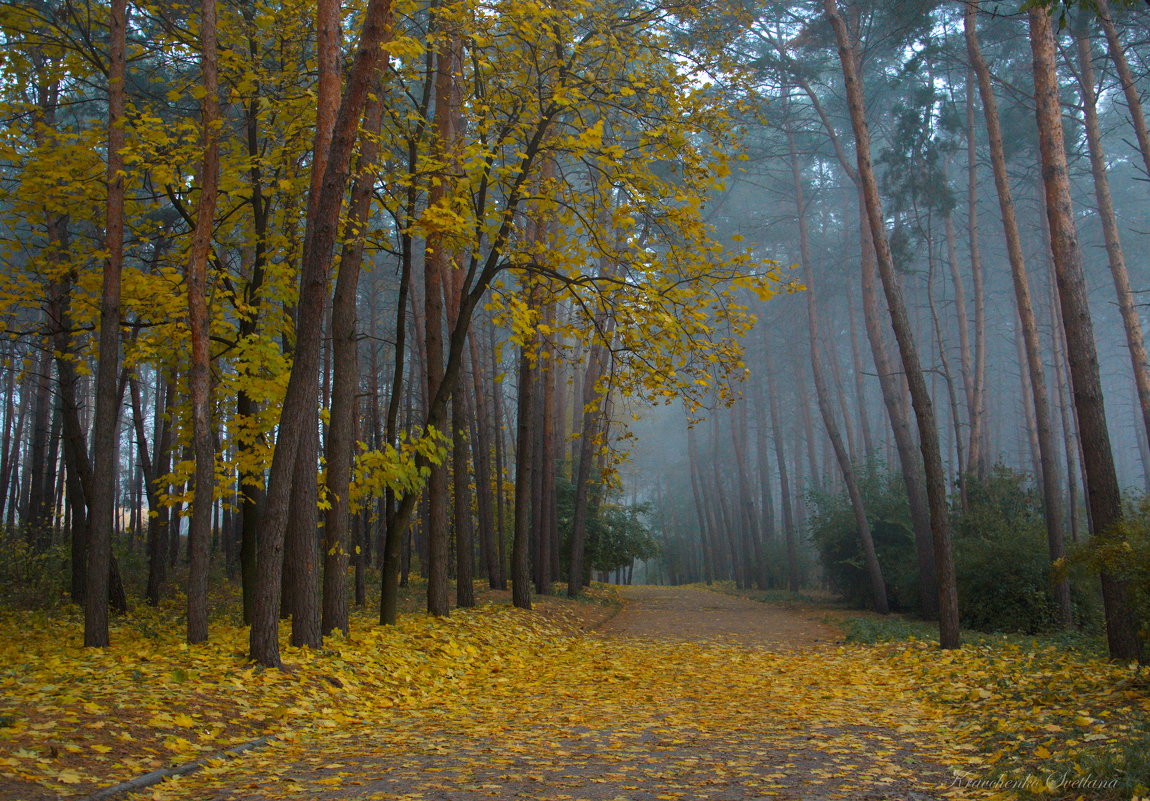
point(308, 301)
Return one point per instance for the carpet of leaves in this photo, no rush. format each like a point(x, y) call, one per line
point(497, 703)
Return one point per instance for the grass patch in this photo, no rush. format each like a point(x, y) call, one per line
point(780, 597)
point(872, 630)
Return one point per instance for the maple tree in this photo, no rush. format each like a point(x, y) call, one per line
point(402, 300)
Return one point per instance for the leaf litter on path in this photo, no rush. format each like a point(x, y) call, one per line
point(497, 703)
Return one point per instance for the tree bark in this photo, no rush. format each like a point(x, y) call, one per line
point(102, 501)
point(485, 487)
point(1131, 322)
point(524, 481)
point(866, 540)
point(790, 533)
point(300, 400)
point(340, 445)
point(977, 450)
point(949, 636)
point(437, 264)
point(199, 374)
point(1130, 88)
point(1047, 454)
point(1102, 489)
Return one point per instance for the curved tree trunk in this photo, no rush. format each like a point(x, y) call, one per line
point(1043, 428)
point(949, 636)
point(866, 541)
point(1131, 322)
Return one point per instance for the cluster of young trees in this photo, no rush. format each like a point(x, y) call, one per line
point(327, 233)
point(264, 262)
point(982, 167)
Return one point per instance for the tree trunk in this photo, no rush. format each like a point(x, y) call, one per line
point(524, 482)
point(944, 360)
point(860, 386)
point(949, 636)
point(36, 513)
point(790, 532)
point(1101, 479)
point(199, 375)
point(1130, 88)
point(485, 488)
point(1131, 322)
point(1069, 435)
point(894, 401)
point(977, 451)
point(299, 406)
point(1047, 454)
point(866, 540)
point(340, 446)
point(437, 264)
point(102, 501)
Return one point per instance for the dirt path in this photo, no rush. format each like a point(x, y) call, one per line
point(685, 694)
point(695, 614)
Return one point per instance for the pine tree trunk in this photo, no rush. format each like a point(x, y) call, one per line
point(1102, 489)
point(978, 449)
point(437, 263)
point(1130, 87)
point(1043, 429)
point(790, 533)
point(893, 399)
point(866, 540)
point(859, 382)
point(949, 636)
point(36, 513)
point(1131, 322)
point(464, 530)
point(524, 482)
point(590, 403)
point(485, 489)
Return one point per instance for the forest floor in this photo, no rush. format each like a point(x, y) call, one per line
point(680, 693)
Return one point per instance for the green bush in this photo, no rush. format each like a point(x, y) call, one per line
point(833, 531)
point(1000, 553)
point(32, 578)
point(616, 534)
point(1125, 554)
point(1001, 556)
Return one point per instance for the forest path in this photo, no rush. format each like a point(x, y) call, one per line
point(697, 614)
point(682, 695)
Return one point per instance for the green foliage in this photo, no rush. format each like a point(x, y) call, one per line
point(1001, 556)
point(871, 630)
point(1125, 554)
point(1000, 551)
point(32, 578)
point(833, 531)
point(616, 533)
